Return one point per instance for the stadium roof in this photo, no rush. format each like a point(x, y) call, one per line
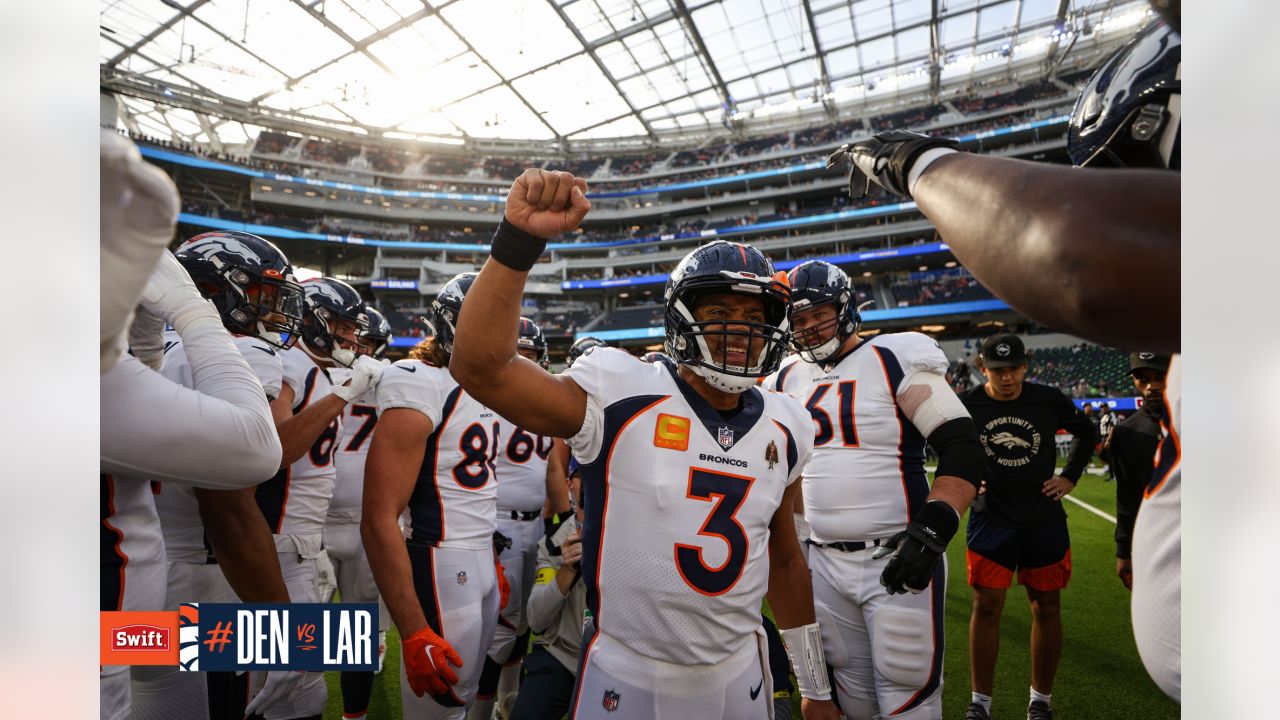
point(541, 69)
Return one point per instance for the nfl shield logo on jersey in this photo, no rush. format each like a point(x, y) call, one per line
point(725, 436)
point(462, 578)
point(611, 700)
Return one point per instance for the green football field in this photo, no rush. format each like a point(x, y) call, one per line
point(1100, 676)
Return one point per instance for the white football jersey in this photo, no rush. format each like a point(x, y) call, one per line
point(867, 476)
point(359, 419)
point(678, 502)
point(133, 568)
point(184, 537)
point(296, 500)
point(1157, 552)
point(522, 469)
point(454, 503)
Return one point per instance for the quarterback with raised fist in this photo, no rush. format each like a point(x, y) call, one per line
point(688, 474)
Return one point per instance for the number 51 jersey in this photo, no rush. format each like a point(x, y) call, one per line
point(678, 501)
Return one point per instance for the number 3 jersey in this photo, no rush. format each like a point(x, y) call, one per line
point(867, 476)
point(678, 499)
point(454, 503)
point(296, 500)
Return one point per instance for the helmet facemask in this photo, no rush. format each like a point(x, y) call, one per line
point(810, 342)
point(342, 339)
point(763, 343)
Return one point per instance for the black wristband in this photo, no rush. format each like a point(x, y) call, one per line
point(516, 248)
point(934, 525)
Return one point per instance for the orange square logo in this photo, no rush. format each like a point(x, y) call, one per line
point(671, 432)
point(138, 638)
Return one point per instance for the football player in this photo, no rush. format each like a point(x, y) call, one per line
point(342, 545)
point(874, 404)
point(140, 410)
point(1006, 222)
point(531, 476)
point(308, 414)
point(582, 345)
point(251, 284)
point(688, 473)
point(434, 452)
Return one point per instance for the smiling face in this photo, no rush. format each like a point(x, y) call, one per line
point(727, 338)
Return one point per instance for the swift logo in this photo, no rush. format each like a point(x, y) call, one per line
point(146, 638)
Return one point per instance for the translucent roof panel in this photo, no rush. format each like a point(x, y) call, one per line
point(539, 69)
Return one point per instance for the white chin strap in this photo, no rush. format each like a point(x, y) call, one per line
point(344, 357)
point(722, 381)
point(823, 351)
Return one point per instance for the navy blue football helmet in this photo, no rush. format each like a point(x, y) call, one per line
point(378, 336)
point(445, 309)
point(250, 282)
point(581, 346)
point(531, 337)
point(331, 304)
point(725, 267)
point(813, 284)
point(1130, 112)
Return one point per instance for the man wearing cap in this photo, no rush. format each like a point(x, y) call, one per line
point(1019, 523)
point(1132, 449)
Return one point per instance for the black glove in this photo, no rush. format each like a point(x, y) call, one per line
point(883, 162)
point(916, 550)
point(500, 542)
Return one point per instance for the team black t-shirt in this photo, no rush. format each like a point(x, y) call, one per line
point(1018, 438)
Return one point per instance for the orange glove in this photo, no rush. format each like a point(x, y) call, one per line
point(425, 655)
point(504, 587)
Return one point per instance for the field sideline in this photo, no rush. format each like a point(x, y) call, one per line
point(1100, 676)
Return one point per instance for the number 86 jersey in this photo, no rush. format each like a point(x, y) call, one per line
point(454, 503)
point(678, 500)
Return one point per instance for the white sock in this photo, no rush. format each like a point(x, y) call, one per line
point(983, 700)
point(1039, 696)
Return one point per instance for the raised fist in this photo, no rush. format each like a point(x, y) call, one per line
point(546, 203)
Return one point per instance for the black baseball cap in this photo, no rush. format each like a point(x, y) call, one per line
point(1003, 350)
point(1144, 360)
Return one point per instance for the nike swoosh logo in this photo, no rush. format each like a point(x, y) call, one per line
point(407, 368)
point(266, 350)
point(756, 692)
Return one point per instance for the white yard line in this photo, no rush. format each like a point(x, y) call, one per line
point(1081, 503)
point(1091, 509)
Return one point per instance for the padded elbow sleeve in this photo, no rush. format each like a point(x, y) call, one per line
point(959, 451)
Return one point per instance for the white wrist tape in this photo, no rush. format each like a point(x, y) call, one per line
point(922, 163)
point(804, 648)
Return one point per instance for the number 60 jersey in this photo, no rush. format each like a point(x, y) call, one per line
point(678, 500)
point(455, 502)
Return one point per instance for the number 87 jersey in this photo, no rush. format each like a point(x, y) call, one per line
point(678, 501)
point(454, 503)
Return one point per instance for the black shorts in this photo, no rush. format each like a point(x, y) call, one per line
point(1041, 555)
